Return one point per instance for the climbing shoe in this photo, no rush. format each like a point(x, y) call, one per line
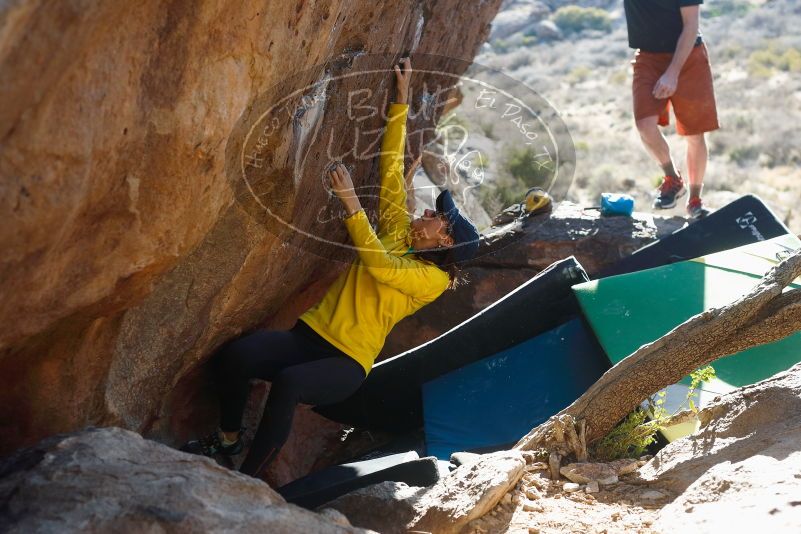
point(696, 209)
point(212, 444)
point(670, 189)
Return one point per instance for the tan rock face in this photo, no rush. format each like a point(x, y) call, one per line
point(112, 480)
point(128, 256)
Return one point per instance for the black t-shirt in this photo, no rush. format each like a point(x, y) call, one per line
point(655, 25)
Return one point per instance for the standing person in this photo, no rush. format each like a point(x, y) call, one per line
point(326, 356)
point(671, 67)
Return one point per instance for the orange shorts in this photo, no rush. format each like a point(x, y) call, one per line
point(694, 100)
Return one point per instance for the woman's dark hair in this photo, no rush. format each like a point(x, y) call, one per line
point(443, 259)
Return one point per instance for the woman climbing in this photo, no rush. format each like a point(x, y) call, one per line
point(326, 356)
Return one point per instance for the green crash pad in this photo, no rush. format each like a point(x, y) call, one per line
point(630, 310)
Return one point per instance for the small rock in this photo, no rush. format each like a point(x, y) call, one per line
point(651, 495)
point(547, 29)
point(570, 487)
point(464, 458)
point(533, 530)
point(533, 494)
point(535, 481)
point(592, 487)
point(624, 467)
point(532, 507)
point(507, 499)
point(616, 516)
point(557, 496)
point(537, 466)
point(582, 473)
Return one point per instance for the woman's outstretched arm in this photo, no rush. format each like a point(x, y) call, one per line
point(411, 201)
point(393, 215)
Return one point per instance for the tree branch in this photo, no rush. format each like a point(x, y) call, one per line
point(762, 316)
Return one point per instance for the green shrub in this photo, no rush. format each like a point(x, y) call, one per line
point(575, 19)
point(579, 74)
point(529, 167)
point(618, 77)
point(502, 193)
point(509, 194)
point(500, 45)
point(488, 127)
point(481, 159)
point(729, 7)
point(763, 63)
point(744, 154)
point(632, 436)
point(629, 439)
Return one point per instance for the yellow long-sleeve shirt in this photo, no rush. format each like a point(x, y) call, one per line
point(381, 286)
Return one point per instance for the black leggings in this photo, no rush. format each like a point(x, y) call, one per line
point(303, 368)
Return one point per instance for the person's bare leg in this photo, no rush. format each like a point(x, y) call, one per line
point(656, 144)
point(697, 156)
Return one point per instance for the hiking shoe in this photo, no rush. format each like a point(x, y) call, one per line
point(670, 189)
point(696, 209)
point(212, 444)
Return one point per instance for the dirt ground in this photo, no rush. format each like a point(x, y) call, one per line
point(540, 505)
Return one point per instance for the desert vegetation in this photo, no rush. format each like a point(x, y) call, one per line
point(577, 57)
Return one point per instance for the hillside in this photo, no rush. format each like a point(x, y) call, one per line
point(583, 71)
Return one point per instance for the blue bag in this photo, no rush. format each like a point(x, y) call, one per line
point(617, 204)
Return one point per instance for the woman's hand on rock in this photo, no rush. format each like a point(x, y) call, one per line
point(342, 186)
point(403, 75)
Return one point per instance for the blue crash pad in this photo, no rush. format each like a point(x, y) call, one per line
point(497, 400)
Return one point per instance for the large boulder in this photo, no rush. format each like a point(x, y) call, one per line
point(130, 252)
point(112, 480)
point(742, 468)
